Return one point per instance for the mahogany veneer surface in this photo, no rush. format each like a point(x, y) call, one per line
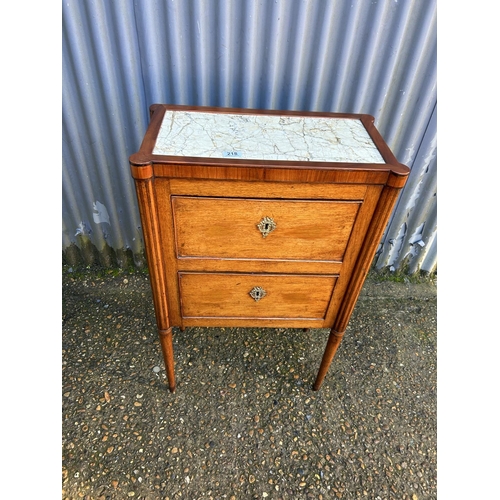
point(261, 218)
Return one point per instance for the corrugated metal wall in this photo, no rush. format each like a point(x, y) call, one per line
point(120, 56)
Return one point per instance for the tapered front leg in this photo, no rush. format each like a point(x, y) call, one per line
point(167, 348)
point(373, 235)
point(331, 348)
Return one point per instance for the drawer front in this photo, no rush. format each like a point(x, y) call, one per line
point(310, 230)
point(212, 295)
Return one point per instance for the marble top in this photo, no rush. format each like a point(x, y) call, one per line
point(265, 137)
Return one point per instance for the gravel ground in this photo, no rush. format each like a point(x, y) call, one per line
point(244, 422)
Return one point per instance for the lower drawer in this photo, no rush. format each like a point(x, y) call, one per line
point(224, 295)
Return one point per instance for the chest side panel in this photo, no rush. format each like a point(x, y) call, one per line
point(357, 243)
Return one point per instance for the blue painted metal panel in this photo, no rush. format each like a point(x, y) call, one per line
point(376, 57)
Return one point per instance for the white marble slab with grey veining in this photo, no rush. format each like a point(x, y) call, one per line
point(265, 137)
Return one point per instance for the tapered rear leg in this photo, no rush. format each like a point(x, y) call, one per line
point(167, 348)
point(331, 348)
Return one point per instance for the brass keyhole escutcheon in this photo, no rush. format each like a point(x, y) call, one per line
point(257, 293)
point(266, 226)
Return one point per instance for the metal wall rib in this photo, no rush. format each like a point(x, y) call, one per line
point(376, 57)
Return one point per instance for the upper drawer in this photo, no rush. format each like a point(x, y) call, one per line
point(229, 228)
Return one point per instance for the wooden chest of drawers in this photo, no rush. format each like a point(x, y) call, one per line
point(261, 218)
